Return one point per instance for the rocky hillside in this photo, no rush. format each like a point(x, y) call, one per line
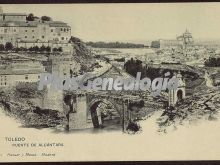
point(204, 104)
point(83, 55)
point(18, 103)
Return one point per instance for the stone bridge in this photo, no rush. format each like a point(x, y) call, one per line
point(84, 111)
point(82, 107)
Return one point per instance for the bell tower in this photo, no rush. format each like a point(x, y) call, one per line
point(178, 94)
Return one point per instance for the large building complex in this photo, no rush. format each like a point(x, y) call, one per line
point(186, 39)
point(20, 71)
point(183, 41)
point(15, 28)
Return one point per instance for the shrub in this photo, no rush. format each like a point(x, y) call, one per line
point(30, 17)
point(27, 90)
point(8, 46)
point(60, 49)
point(54, 49)
point(133, 127)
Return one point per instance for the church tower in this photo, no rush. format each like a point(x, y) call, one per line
point(178, 94)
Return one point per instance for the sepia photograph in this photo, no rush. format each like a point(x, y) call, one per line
point(109, 82)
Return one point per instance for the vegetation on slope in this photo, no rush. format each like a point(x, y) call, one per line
point(114, 45)
point(83, 55)
point(18, 103)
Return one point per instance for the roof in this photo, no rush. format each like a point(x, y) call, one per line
point(21, 68)
point(20, 72)
point(18, 23)
point(32, 23)
point(13, 14)
point(57, 24)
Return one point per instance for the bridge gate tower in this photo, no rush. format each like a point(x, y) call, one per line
point(178, 94)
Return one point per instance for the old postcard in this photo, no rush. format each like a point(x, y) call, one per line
point(100, 82)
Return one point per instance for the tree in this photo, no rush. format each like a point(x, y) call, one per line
point(31, 49)
point(114, 45)
point(8, 46)
point(17, 49)
point(60, 49)
point(2, 47)
point(23, 49)
point(54, 49)
point(30, 17)
point(42, 48)
point(36, 48)
point(46, 18)
point(48, 49)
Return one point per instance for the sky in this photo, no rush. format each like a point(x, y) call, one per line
point(131, 22)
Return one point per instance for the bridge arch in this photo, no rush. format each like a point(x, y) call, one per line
point(95, 112)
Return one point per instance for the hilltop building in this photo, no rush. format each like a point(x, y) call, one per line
point(168, 43)
point(183, 41)
point(16, 29)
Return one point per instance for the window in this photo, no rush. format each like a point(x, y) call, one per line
point(26, 77)
point(64, 30)
point(25, 30)
point(14, 30)
point(42, 36)
point(51, 30)
point(5, 30)
point(32, 30)
point(61, 29)
point(25, 37)
point(33, 37)
point(62, 38)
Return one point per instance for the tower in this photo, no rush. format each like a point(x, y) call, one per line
point(185, 40)
point(178, 94)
